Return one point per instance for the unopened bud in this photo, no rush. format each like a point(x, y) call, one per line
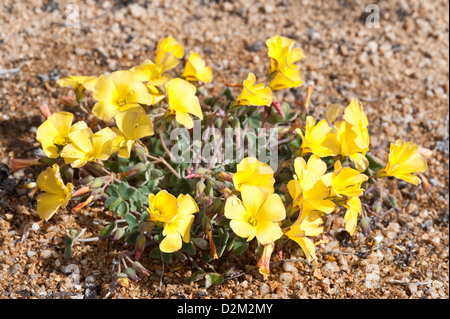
point(122, 280)
point(138, 168)
point(45, 111)
point(89, 200)
point(18, 163)
point(96, 183)
point(140, 246)
point(235, 123)
point(68, 101)
point(118, 233)
point(224, 176)
point(131, 273)
point(200, 189)
point(393, 201)
point(218, 122)
point(138, 267)
point(68, 172)
point(377, 206)
point(82, 190)
point(212, 246)
point(365, 225)
point(86, 180)
point(264, 261)
point(277, 107)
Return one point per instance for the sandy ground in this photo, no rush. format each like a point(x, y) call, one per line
point(398, 68)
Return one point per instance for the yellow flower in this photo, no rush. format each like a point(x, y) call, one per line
point(257, 215)
point(312, 199)
point(264, 260)
point(283, 72)
point(286, 78)
point(168, 53)
point(196, 69)
point(353, 135)
point(183, 102)
point(308, 191)
point(153, 75)
point(176, 215)
point(282, 54)
point(131, 126)
point(309, 173)
point(251, 172)
point(162, 207)
point(306, 226)
point(88, 147)
point(404, 160)
point(55, 195)
point(117, 93)
point(318, 139)
point(79, 83)
point(345, 181)
point(53, 134)
point(254, 94)
point(353, 206)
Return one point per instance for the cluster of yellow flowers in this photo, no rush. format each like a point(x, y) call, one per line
point(322, 178)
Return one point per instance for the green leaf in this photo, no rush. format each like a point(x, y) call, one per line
point(155, 253)
point(373, 164)
point(240, 245)
point(200, 243)
point(131, 237)
point(198, 275)
point(228, 94)
point(221, 245)
point(68, 243)
point(113, 190)
point(110, 201)
point(122, 208)
point(107, 230)
point(213, 279)
point(131, 220)
point(189, 248)
point(255, 121)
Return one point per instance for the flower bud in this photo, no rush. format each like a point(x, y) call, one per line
point(118, 233)
point(365, 225)
point(200, 189)
point(89, 200)
point(131, 273)
point(235, 123)
point(68, 101)
point(18, 163)
point(45, 111)
point(377, 206)
point(123, 280)
point(264, 261)
point(138, 267)
point(140, 246)
point(96, 183)
point(218, 122)
point(86, 180)
point(277, 107)
point(68, 172)
point(82, 190)
point(224, 176)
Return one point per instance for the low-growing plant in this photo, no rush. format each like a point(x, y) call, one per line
point(190, 176)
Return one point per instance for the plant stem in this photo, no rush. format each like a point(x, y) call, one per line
point(162, 160)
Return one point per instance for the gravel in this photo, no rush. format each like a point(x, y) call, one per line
point(399, 71)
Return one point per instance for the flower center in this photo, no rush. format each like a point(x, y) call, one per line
point(252, 221)
point(121, 102)
point(60, 141)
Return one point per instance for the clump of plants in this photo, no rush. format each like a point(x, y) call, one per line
point(190, 176)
